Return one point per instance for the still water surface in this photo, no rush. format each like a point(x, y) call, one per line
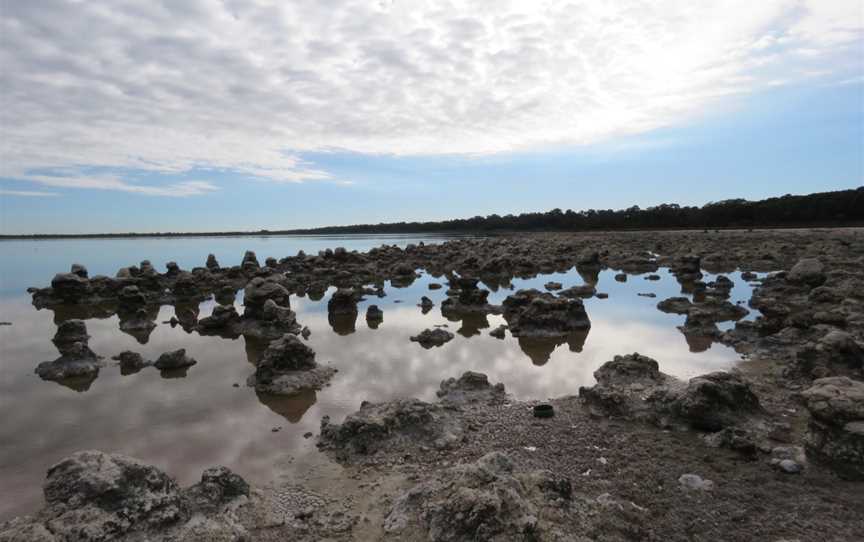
point(184, 425)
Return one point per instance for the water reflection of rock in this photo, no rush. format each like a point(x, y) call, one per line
point(343, 323)
point(138, 322)
point(82, 312)
point(290, 407)
point(255, 349)
point(540, 349)
point(471, 324)
point(696, 342)
point(187, 315)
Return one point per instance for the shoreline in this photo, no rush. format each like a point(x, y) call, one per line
point(429, 233)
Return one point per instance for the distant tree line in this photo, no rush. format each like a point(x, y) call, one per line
point(845, 207)
point(840, 208)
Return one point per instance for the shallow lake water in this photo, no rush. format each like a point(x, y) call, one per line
point(184, 425)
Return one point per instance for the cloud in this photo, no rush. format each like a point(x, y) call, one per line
point(181, 189)
point(247, 86)
point(27, 193)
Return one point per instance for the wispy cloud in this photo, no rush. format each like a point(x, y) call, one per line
point(181, 189)
point(247, 85)
point(27, 193)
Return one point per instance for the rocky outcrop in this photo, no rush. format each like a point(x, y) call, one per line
point(713, 401)
point(835, 354)
point(432, 337)
point(531, 313)
point(98, 497)
point(484, 500)
point(288, 367)
point(836, 431)
point(628, 386)
point(808, 271)
point(633, 387)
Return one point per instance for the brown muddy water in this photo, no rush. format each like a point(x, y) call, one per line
point(183, 425)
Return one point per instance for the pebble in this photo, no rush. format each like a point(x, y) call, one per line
point(694, 481)
point(787, 466)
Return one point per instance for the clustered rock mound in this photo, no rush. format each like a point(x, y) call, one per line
point(97, 497)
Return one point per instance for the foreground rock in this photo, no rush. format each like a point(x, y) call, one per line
point(97, 497)
point(836, 431)
point(288, 367)
point(483, 500)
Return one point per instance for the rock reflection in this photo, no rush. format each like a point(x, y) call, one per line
point(343, 323)
point(291, 407)
point(138, 322)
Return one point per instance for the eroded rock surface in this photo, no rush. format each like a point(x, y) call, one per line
point(836, 431)
point(97, 497)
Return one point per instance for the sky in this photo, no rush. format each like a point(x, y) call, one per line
point(205, 115)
